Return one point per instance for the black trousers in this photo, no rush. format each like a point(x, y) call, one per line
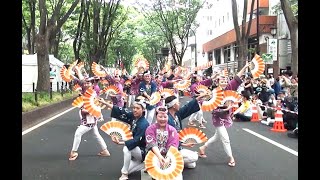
point(242, 117)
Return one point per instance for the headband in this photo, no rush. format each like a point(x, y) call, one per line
point(162, 109)
point(140, 102)
point(173, 102)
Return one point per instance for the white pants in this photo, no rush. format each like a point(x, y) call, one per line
point(131, 99)
point(189, 158)
point(224, 137)
point(82, 130)
point(150, 115)
point(197, 116)
point(132, 160)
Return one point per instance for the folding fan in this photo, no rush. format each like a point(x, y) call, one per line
point(182, 85)
point(259, 66)
point(230, 95)
point(192, 135)
point(202, 89)
point(112, 89)
point(65, 75)
point(77, 88)
point(141, 62)
point(155, 98)
point(91, 103)
point(98, 70)
point(214, 101)
point(168, 171)
point(127, 82)
point(78, 102)
point(177, 70)
point(119, 129)
point(71, 67)
point(166, 92)
point(80, 65)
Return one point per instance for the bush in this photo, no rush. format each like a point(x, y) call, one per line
point(29, 103)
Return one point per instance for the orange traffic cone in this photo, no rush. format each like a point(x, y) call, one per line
point(255, 116)
point(278, 125)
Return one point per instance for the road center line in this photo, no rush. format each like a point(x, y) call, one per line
point(272, 142)
point(46, 121)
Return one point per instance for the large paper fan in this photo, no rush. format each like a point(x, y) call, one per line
point(231, 95)
point(91, 103)
point(155, 98)
point(111, 89)
point(98, 70)
point(77, 87)
point(259, 66)
point(119, 129)
point(182, 85)
point(169, 171)
point(202, 89)
point(166, 92)
point(78, 102)
point(192, 135)
point(214, 101)
point(65, 75)
point(141, 62)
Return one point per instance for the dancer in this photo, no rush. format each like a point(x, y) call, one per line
point(134, 149)
point(221, 118)
point(176, 115)
point(147, 88)
point(88, 122)
point(160, 136)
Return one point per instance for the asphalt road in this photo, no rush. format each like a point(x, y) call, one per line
point(260, 154)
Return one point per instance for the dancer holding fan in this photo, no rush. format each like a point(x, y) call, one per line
point(160, 136)
point(133, 147)
point(221, 117)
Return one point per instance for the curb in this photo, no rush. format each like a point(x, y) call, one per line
point(36, 116)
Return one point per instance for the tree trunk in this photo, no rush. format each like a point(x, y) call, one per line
point(42, 43)
point(292, 23)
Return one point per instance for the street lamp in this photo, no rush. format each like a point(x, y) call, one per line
point(273, 31)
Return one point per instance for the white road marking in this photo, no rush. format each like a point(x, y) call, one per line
point(44, 122)
point(272, 142)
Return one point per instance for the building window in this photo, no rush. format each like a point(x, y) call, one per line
point(222, 19)
point(219, 22)
point(217, 56)
point(210, 58)
point(227, 16)
point(210, 32)
point(215, 24)
point(210, 18)
point(227, 54)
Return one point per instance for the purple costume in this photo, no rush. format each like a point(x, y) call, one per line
point(221, 117)
point(162, 139)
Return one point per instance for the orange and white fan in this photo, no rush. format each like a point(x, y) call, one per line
point(118, 129)
point(259, 66)
point(182, 85)
point(98, 70)
point(166, 92)
point(65, 75)
point(154, 98)
point(166, 68)
point(202, 89)
point(170, 170)
point(71, 67)
point(231, 96)
point(77, 88)
point(127, 82)
point(214, 101)
point(112, 89)
point(192, 135)
point(91, 103)
point(78, 102)
point(141, 62)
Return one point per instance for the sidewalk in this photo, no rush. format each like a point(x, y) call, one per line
point(36, 116)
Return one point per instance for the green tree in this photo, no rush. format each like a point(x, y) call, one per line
point(48, 29)
point(242, 34)
point(175, 20)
